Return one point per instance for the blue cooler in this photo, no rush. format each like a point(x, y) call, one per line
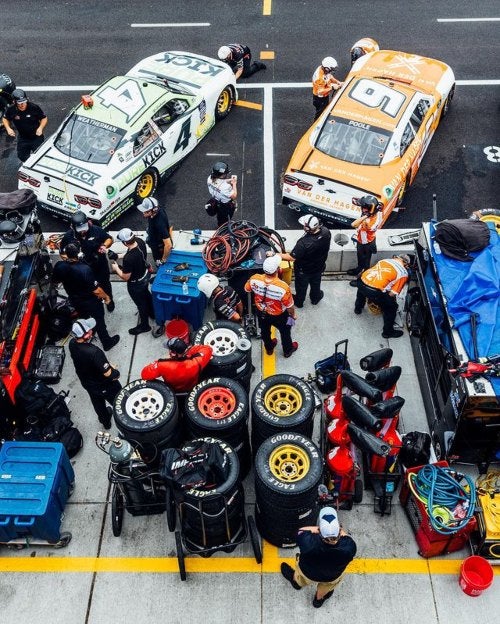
point(169, 300)
point(36, 479)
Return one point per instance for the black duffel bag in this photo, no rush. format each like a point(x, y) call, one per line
point(23, 200)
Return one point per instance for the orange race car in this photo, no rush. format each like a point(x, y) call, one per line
point(371, 138)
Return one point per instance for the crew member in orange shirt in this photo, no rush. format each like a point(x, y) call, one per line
point(182, 370)
point(324, 83)
point(366, 231)
point(381, 284)
point(274, 302)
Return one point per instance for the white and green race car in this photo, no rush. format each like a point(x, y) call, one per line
point(114, 148)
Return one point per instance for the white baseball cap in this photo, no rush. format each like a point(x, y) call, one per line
point(309, 221)
point(150, 203)
point(328, 522)
point(82, 326)
point(271, 264)
point(125, 235)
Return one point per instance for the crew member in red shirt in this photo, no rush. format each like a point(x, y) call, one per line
point(182, 370)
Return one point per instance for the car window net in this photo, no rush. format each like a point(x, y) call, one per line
point(352, 143)
point(89, 140)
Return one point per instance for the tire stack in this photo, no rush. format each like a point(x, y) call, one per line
point(218, 407)
point(214, 517)
point(146, 413)
point(288, 470)
point(281, 403)
point(232, 351)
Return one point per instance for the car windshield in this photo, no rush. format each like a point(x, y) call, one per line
point(89, 140)
point(352, 141)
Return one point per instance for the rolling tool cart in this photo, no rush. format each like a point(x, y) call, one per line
point(36, 480)
point(485, 542)
point(136, 487)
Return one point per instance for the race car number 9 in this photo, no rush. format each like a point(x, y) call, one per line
point(375, 95)
point(127, 98)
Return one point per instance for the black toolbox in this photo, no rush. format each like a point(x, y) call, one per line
point(49, 363)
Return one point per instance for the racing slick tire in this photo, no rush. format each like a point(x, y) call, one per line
point(224, 103)
point(281, 403)
point(447, 102)
point(147, 412)
point(146, 185)
point(232, 352)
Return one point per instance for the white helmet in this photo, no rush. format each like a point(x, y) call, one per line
point(207, 283)
point(329, 63)
point(224, 53)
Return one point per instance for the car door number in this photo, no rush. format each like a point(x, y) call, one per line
point(184, 136)
point(128, 98)
point(376, 95)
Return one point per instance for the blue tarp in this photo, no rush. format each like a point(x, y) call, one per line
point(473, 287)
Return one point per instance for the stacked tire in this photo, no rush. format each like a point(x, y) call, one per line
point(146, 413)
point(288, 470)
point(281, 403)
point(213, 517)
point(232, 351)
point(219, 407)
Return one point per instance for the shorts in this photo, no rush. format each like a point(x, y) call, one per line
point(323, 586)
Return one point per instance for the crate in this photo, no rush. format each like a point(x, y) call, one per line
point(168, 298)
point(36, 479)
point(49, 363)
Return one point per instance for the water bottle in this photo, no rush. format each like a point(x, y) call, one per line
point(185, 288)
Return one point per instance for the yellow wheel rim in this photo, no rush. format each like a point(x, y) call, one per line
point(283, 400)
point(495, 219)
point(289, 463)
point(145, 186)
point(223, 102)
point(401, 193)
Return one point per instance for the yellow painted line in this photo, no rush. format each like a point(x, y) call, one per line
point(248, 104)
point(226, 565)
point(267, 7)
point(267, 55)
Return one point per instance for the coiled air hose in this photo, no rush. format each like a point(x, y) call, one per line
point(449, 497)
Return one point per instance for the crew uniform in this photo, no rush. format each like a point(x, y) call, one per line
point(323, 84)
point(239, 58)
point(366, 226)
point(158, 229)
point(227, 304)
point(381, 284)
point(27, 121)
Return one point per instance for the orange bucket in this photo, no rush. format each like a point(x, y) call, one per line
point(476, 575)
point(177, 329)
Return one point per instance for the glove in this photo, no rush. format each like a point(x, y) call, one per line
point(158, 263)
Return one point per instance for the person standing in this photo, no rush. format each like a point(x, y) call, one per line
point(97, 376)
point(274, 302)
point(366, 232)
point(309, 254)
point(222, 187)
point(324, 83)
point(325, 552)
point(29, 120)
point(239, 59)
point(381, 284)
point(159, 237)
point(94, 243)
point(225, 300)
point(182, 370)
point(84, 292)
point(136, 272)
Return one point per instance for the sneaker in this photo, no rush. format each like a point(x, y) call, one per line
point(139, 329)
point(318, 602)
point(114, 340)
point(394, 333)
point(358, 310)
point(353, 283)
point(287, 572)
point(321, 295)
point(110, 306)
point(157, 331)
point(295, 346)
point(270, 351)
point(353, 271)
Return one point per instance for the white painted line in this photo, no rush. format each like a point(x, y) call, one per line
point(469, 19)
point(172, 25)
point(216, 154)
point(268, 143)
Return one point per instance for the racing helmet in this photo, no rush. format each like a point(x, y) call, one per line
point(220, 169)
point(329, 63)
point(207, 283)
point(224, 52)
point(369, 204)
point(79, 221)
point(7, 85)
point(176, 345)
point(19, 96)
point(356, 53)
point(178, 106)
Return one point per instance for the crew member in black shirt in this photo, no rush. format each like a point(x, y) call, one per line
point(29, 121)
point(159, 236)
point(84, 292)
point(310, 254)
point(96, 374)
point(239, 59)
point(136, 272)
point(94, 243)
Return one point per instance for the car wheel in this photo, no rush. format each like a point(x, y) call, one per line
point(490, 215)
point(224, 104)
point(146, 411)
point(146, 185)
point(447, 103)
point(232, 350)
point(403, 189)
point(281, 403)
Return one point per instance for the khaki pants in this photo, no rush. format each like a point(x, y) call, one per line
point(323, 586)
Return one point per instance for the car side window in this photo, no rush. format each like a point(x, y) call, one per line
point(163, 118)
point(146, 135)
point(418, 114)
point(407, 138)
